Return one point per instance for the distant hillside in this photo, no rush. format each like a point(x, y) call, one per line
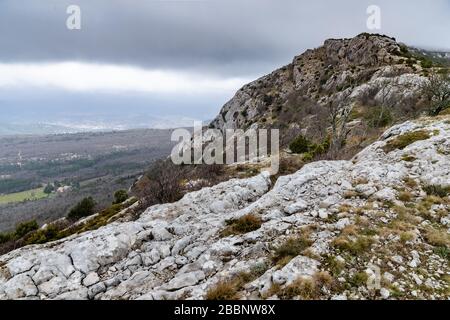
point(95, 163)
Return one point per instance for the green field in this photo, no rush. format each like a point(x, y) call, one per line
point(34, 194)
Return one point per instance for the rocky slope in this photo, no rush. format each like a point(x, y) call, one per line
point(326, 231)
point(364, 71)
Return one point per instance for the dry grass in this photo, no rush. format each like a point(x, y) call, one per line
point(409, 158)
point(335, 266)
point(245, 224)
point(410, 182)
point(304, 288)
point(407, 236)
point(224, 290)
point(229, 290)
point(307, 288)
point(291, 248)
point(437, 237)
point(405, 196)
point(355, 246)
point(405, 140)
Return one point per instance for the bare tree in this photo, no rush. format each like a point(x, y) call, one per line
point(339, 112)
point(437, 90)
point(387, 102)
point(162, 183)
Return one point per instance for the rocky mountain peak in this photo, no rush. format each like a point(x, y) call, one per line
point(352, 71)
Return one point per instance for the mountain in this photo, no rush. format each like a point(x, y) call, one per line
point(360, 73)
point(369, 222)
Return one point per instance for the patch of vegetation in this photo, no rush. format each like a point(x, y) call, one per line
point(408, 158)
point(443, 252)
point(405, 140)
point(410, 182)
point(354, 246)
point(358, 279)
point(50, 233)
point(405, 196)
point(291, 248)
point(83, 209)
point(445, 112)
point(426, 63)
point(120, 196)
point(300, 145)
point(24, 228)
point(437, 190)
point(55, 232)
point(244, 224)
point(229, 290)
point(307, 288)
point(224, 290)
point(437, 237)
point(334, 265)
point(5, 237)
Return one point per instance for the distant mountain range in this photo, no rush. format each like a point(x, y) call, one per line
point(65, 126)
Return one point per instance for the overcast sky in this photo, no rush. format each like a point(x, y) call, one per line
point(175, 55)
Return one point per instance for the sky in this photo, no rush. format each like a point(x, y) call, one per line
point(177, 59)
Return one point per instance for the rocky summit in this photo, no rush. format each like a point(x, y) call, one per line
point(341, 69)
point(373, 227)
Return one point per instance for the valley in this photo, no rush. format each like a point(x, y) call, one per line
point(75, 166)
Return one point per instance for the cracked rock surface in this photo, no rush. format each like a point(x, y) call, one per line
point(352, 212)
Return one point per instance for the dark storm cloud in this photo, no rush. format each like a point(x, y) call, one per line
point(222, 36)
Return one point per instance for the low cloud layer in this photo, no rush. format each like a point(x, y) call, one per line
point(113, 79)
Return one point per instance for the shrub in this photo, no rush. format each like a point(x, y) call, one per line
point(245, 224)
point(83, 209)
point(120, 196)
point(405, 140)
point(45, 235)
point(49, 188)
point(5, 237)
point(426, 63)
point(443, 252)
point(300, 145)
point(436, 190)
point(25, 227)
point(291, 248)
point(162, 183)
